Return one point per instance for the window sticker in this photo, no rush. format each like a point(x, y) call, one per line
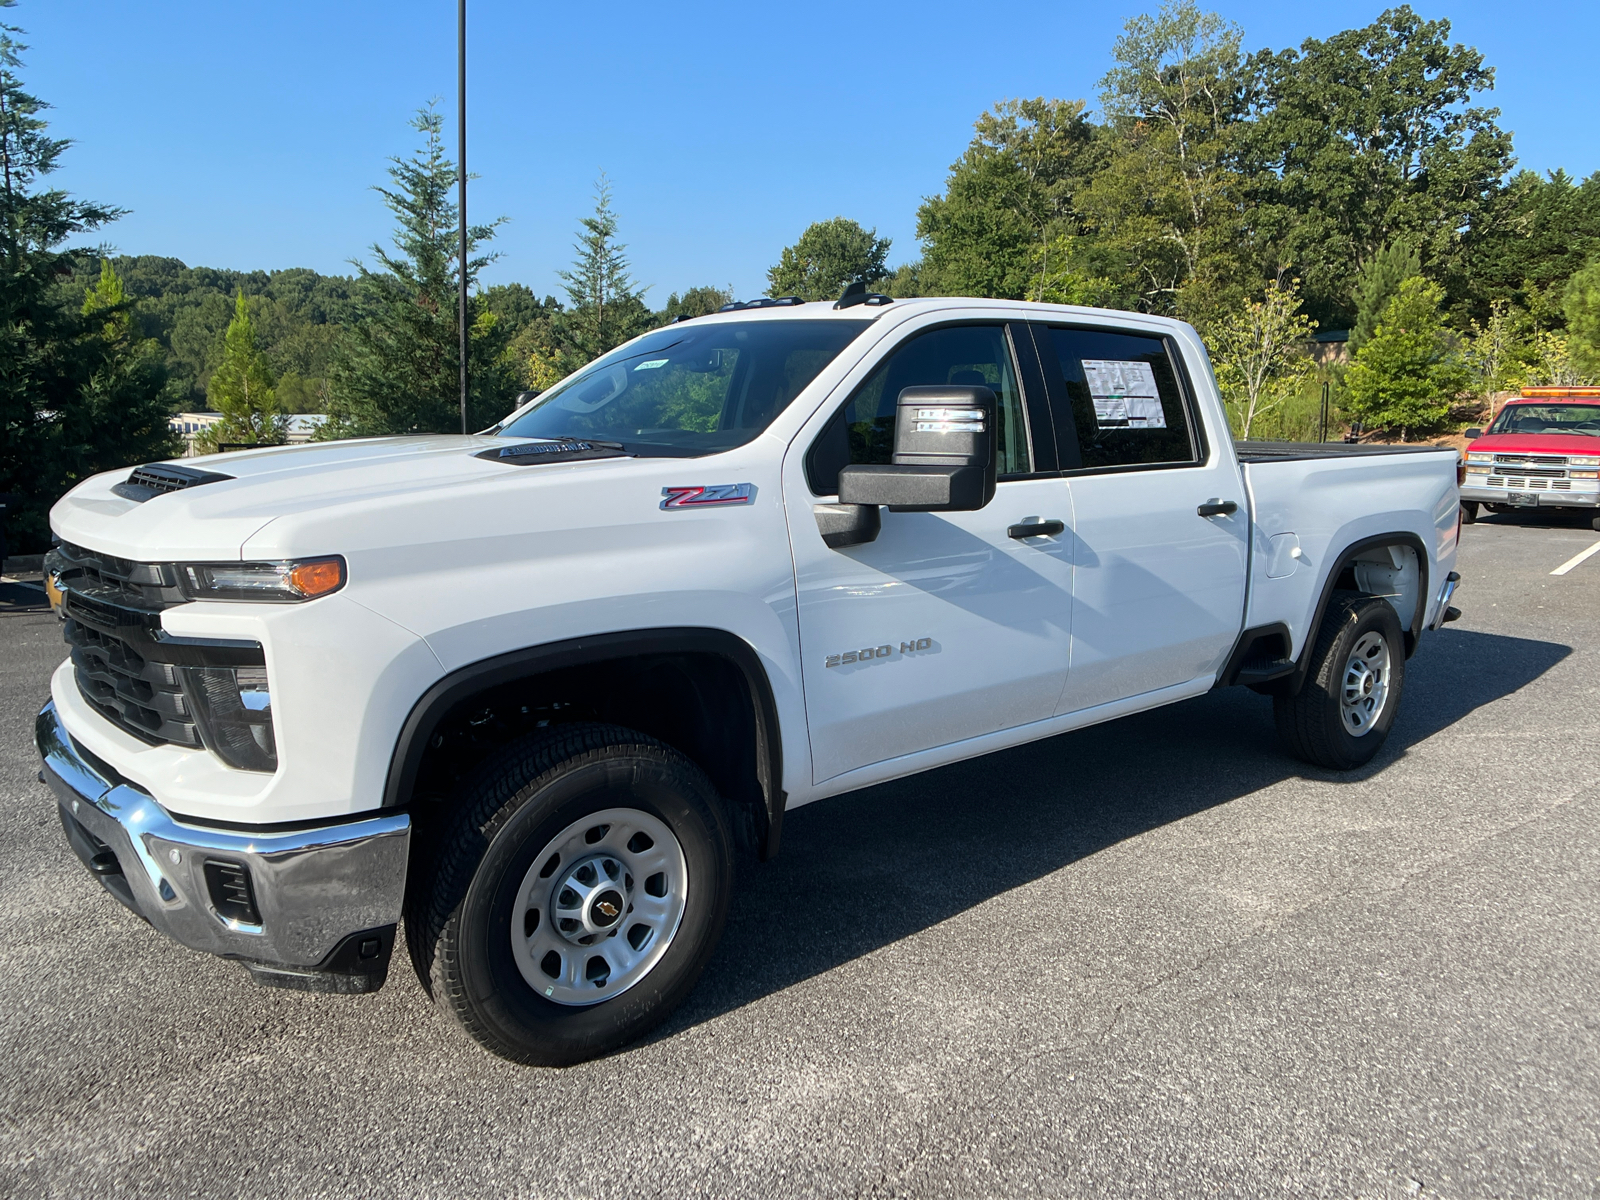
point(652, 364)
point(1124, 394)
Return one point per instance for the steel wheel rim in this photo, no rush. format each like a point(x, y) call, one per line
point(599, 907)
point(1364, 691)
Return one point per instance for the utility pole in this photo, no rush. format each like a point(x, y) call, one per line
point(461, 183)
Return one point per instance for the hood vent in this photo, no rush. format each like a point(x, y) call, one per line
point(160, 478)
point(527, 454)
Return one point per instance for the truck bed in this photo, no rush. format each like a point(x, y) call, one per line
point(1261, 451)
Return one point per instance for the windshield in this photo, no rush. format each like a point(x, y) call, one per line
point(689, 389)
point(1548, 418)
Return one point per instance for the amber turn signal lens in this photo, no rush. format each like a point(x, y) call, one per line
point(317, 578)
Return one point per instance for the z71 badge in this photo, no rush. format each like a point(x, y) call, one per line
point(709, 496)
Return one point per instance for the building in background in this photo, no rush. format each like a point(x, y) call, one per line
point(190, 425)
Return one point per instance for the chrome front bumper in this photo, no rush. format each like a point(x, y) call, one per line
point(326, 899)
point(1546, 499)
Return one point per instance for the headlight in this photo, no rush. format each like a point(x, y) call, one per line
point(1479, 458)
point(1584, 460)
point(234, 710)
point(278, 582)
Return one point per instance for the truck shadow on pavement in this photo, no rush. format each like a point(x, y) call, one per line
point(863, 870)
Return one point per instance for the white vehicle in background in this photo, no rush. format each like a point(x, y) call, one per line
point(537, 688)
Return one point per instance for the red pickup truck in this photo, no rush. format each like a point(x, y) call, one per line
point(1541, 451)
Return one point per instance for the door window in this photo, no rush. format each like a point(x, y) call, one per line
point(965, 355)
point(1126, 402)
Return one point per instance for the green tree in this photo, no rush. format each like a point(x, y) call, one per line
point(124, 411)
point(397, 367)
point(1407, 374)
point(1260, 354)
point(1543, 232)
point(1005, 200)
point(56, 363)
point(1377, 282)
point(695, 302)
point(1168, 198)
point(607, 308)
point(829, 256)
point(1582, 307)
point(1493, 352)
point(1366, 138)
point(243, 390)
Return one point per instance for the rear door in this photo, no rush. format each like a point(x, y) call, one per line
point(1158, 592)
point(949, 625)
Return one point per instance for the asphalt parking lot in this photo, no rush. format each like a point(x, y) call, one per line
point(1152, 958)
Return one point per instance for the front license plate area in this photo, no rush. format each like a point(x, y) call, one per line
point(1523, 499)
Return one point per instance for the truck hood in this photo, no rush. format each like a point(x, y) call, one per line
point(214, 520)
point(1535, 443)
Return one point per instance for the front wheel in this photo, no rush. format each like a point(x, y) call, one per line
point(1469, 512)
point(577, 896)
point(1342, 715)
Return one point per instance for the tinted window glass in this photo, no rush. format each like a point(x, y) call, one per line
point(690, 389)
point(969, 355)
point(1126, 403)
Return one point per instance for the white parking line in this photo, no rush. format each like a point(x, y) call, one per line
point(1576, 559)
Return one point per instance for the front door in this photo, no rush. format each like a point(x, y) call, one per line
point(946, 627)
point(1158, 588)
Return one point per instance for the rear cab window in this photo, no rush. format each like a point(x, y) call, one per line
point(1125, 398)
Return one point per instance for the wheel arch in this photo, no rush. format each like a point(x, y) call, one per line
point(1346, 562)
point(694, 653)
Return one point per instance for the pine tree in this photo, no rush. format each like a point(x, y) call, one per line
point(606, 309)
point(1377, 282)
point(397, 368)
point(124, 414)
point(1582, 309)
point(242, 390)
point(1407, 373)
point(55, 368)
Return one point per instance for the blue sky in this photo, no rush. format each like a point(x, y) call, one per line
point(249, 136)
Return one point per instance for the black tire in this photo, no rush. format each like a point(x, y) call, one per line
point(1469, 512)
point(1311, 724)
point(458, 920)
point(1594, 523)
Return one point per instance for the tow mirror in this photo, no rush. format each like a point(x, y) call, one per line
point(1472, 433)
point(944, 461)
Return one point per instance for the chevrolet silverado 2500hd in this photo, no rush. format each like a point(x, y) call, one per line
point(535, 689)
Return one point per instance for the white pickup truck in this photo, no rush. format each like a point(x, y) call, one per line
point(536, 689)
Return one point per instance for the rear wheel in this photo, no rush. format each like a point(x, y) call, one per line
point(577, 896)
point(1342, 715)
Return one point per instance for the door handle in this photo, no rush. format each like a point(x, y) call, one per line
point(1217, 508)
point(1030, 529)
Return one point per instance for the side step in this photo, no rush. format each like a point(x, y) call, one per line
point(1263, 670)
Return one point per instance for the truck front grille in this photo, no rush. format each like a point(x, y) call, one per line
point(128, 669)
point(146, 587)
point(1527, 483)
point(142, 697)
point(1531, 460)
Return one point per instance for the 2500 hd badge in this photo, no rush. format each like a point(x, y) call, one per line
point(871, 653)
